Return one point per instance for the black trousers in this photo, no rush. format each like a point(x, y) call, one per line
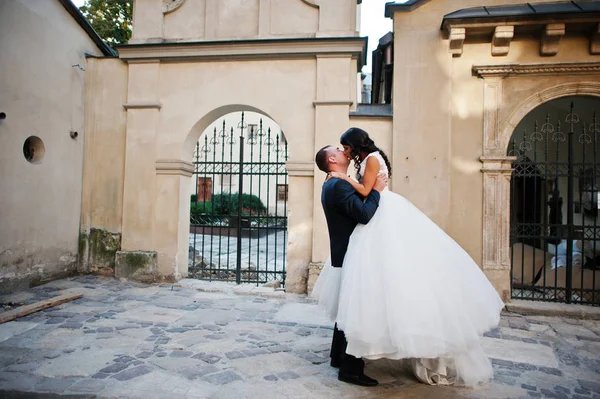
point(348, 363)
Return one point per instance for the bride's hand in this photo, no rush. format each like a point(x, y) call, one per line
point(331, 175)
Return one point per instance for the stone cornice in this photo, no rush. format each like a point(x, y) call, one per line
point(499, 164)
point(332, 102)
point(507, 158)
point(503, 23)
point(373, 111)
point(246, 49)
point(174, 167)
point(503, 70)
point(479, 26)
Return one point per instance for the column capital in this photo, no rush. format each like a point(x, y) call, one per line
point(174, 167)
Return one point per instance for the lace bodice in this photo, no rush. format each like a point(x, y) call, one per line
point(382, 166)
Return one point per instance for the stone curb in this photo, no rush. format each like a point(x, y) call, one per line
point(535, 308)
point(231, 288)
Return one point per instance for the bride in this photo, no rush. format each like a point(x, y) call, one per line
point(407, 290)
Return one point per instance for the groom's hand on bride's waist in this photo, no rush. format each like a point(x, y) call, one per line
point(380, 183)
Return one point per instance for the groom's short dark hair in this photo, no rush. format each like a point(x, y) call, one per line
point(321, 158)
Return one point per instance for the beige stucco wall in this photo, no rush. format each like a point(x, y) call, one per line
point(206, 20)
point(42, 95)
point(104, 164)
point(439, 117)
point(190, 91)
point(438, 113)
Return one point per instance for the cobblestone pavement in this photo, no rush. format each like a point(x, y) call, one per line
point(128, 340)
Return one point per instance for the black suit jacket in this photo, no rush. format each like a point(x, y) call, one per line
point(344, 209)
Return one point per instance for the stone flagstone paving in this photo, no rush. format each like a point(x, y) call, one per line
point(128, 340)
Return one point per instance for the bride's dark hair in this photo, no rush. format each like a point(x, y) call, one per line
point(360, 143)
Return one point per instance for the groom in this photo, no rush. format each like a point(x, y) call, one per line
point(344, 209)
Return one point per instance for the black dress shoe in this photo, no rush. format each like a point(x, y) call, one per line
point(335, 363)
point(357, 379)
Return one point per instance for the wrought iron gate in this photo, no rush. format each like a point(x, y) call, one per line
point(238, 217)
point(555, 228)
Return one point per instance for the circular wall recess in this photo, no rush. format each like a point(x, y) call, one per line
point(34, 149)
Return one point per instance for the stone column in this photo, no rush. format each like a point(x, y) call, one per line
point(331, 121)
point(172, 221)
point(492, 100)
point(497, 169)
point(300, 224)
point(332, 106)
point(496, 222)
point(139, 205)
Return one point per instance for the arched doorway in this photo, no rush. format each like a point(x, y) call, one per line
point(554, 208)
point(238, 206)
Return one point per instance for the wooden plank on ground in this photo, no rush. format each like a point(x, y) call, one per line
point(36, 307)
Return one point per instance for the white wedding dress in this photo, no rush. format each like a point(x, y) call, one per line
point(408, 291)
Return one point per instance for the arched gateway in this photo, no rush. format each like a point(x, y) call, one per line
point(293, 61)
point(507, 253)
point(238, 209)
point(555, 226)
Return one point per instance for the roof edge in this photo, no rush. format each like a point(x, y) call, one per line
point(84, 23)
point(410, 5)
point(526, 12)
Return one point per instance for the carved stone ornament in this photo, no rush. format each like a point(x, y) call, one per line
point(560, 68)
point(171, 5)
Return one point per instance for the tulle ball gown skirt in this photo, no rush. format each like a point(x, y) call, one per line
point(408, 291)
